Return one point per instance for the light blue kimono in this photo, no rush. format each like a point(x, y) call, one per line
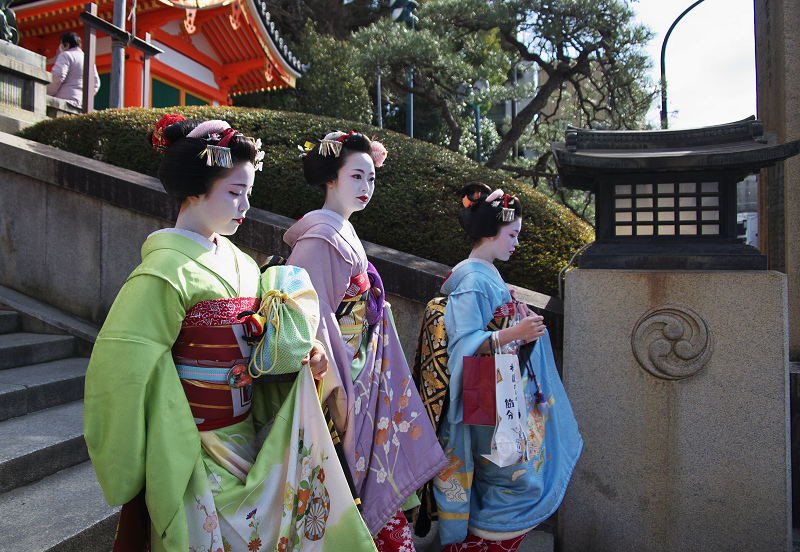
point(472, 493)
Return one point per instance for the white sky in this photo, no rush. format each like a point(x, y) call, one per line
point(710, 60)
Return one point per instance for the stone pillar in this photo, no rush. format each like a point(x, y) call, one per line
point(777, 27)
point(23, 87)
point(678, 380)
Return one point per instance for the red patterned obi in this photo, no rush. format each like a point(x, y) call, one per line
point(506, 309)
point(352, 311)
point(211, 357)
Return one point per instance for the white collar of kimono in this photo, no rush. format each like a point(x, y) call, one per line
point(477, 260)
point(210, 244)
point(335, 215)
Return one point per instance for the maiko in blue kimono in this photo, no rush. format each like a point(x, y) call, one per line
point(478, 500)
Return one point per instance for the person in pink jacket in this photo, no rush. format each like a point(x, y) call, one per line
point(67, 72)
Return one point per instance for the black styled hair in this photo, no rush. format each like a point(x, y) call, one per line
point(320, 169)
point(481, 219)
point(70, 39)
point(183, 172)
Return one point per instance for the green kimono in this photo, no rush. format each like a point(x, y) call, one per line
point(268, 482)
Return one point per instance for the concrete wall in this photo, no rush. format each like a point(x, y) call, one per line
point(71, 230)
point(682, 401)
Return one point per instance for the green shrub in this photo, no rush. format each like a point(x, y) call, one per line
point(416, 202)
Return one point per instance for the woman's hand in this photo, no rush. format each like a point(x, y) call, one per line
point(317, 359)
point(528, 329)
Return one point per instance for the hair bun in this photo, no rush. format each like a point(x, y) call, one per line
point(171, 128)
point(484, 210)
point(473, 193)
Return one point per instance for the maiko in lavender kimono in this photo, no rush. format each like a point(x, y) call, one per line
point(200, 456)
point(388, 440)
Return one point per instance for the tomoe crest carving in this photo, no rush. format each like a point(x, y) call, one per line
point(672, 342)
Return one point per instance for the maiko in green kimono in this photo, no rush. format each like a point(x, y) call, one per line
point(171, 413)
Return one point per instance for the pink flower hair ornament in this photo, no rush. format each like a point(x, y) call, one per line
point(378, 153)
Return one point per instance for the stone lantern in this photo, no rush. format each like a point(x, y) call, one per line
point(667, 199)
point(675, 348)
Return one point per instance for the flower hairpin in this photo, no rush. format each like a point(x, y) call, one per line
point(258, 163)
point(378, 153)
point(160, 141)
point(305, 148)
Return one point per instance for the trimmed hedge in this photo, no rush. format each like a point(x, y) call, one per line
point(416, 200)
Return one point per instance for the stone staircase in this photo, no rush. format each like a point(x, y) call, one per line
point(49, 497)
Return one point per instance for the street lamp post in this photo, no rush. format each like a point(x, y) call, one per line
point(664, 117)
point(466, 92)
point(403, 12)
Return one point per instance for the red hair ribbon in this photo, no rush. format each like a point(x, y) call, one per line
point(227, 134)
point(344, 137)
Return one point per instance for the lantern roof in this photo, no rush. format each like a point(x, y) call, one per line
point(740, 147)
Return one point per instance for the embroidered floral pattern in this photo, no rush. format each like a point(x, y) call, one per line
point(214, 483)
point(254, 543)
point(210, 525)
point(309, 504)
point(390, 428)
point(536, 429)
point(216, 312)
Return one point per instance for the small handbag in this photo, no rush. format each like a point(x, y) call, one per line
point(291, 309)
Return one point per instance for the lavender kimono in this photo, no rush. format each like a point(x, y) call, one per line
point(388, 439)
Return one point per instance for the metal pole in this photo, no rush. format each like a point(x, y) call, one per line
point(89, 54)
point(146, 76)
point(664, 117)
point(380, 106)
point(514, 112)
point(478, 131)
point(410, 106)
point(117, 86)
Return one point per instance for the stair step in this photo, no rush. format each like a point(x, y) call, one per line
point(9, 321)
point(20, 349)
point(40, 386)
point(40, 444)
point(64, 512)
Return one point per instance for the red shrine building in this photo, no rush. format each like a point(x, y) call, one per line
point(213, 49)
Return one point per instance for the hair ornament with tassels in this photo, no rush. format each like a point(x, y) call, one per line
point(333, 142)
point(217, 133)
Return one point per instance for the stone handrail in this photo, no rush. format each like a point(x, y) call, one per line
point(71, 230)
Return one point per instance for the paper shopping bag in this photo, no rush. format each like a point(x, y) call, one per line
point(509, 441)
point(478, 390)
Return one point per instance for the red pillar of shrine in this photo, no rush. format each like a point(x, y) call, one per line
point(134, 69)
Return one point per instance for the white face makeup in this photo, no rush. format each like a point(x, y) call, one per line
point(501, 246)
point(222, 209)
point(353, 188)
point(507, 240)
